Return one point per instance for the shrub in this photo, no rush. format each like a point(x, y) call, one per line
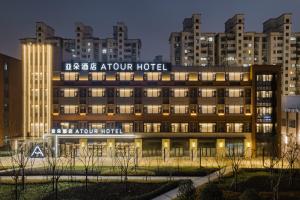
point(186, 190)
point(249, 194)
point(211, 192)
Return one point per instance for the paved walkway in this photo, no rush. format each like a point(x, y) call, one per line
point(198, 181)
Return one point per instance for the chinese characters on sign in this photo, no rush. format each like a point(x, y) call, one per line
point(87, 131)
point(116, 66)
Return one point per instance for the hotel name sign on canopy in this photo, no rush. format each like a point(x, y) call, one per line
point(116, 66)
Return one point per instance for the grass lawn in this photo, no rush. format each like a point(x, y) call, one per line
point(138, 171)
point(77, 190)
point(259, 180)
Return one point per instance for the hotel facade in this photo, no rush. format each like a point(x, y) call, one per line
point(158, 109)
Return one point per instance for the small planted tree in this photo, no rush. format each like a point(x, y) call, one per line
point(88, 162)
point(20, 160)
point(186, 191)
point(56, 167)
point(235, 161)
point(292, 156)
point(124, 160)
point(221, 164)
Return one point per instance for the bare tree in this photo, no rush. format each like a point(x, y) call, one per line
point(235, 161)
point(292, 156)
point(56, 166)
point(20, 160)
point(125, 160)
point(221, 164)
point(87, 160)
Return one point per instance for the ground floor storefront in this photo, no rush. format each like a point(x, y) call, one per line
point(190, 148)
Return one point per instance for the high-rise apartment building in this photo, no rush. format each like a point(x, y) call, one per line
point(119, 47)
point(277, 44)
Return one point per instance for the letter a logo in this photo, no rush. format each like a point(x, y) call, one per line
point(37, 152)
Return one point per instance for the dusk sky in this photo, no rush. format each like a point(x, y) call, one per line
point(152, 21)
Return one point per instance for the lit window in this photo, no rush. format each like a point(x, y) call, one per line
point(234, 92)
point(152, 127)
point(179, 127)
point(234, 109)
point(127, 127)
point(70, 76)
point(235, 76)
point(125, 76)
point(207, 127)
point(70, 92)
point(125, 92)
point(153, 76)
point(104, 51)
point(98, 76)
point(234, 127)
point(264, 128)
point(125, 109)
point(97, 109)
point(179, 92)
point(180, 76)
point(69, 109)
point(96, 125)
point(180, 109)
point(208, 76)
point(152, 92)
point(207, 92)
point(207, 109)
point(152, 109)
point(96, 92)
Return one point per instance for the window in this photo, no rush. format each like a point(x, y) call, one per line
point(179, 127)
point(96, 92)
point(234, 109)
point(234, 127)
point(69, 109)
point(70, 76)
point(153, 76)
point(207, 92)
point(264, 128)
point(152, 109)
point(125, 76)
point(207, 109)
point(235, 92)
point(125, 92)
point(96, 125)
point(125, 109)
point(152, 92)
point(97, 109)
point(152, 127)
point(179, 92)
point(180, 109)
point(127, 127)
point(98, 76)
point(264, 94)
point(180, 76)
point(207, 127)
point(70, 92)
point(264, 77)
point(208, 76)
point(235, 76)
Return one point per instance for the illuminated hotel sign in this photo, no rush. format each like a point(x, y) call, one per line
point(116, 67)
point(84, 131)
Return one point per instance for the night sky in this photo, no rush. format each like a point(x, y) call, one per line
point(150, 20)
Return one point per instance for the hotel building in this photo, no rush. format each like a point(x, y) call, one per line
point(168, 111)
point(276, 44)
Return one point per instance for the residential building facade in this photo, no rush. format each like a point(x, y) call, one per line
point(276, 44)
